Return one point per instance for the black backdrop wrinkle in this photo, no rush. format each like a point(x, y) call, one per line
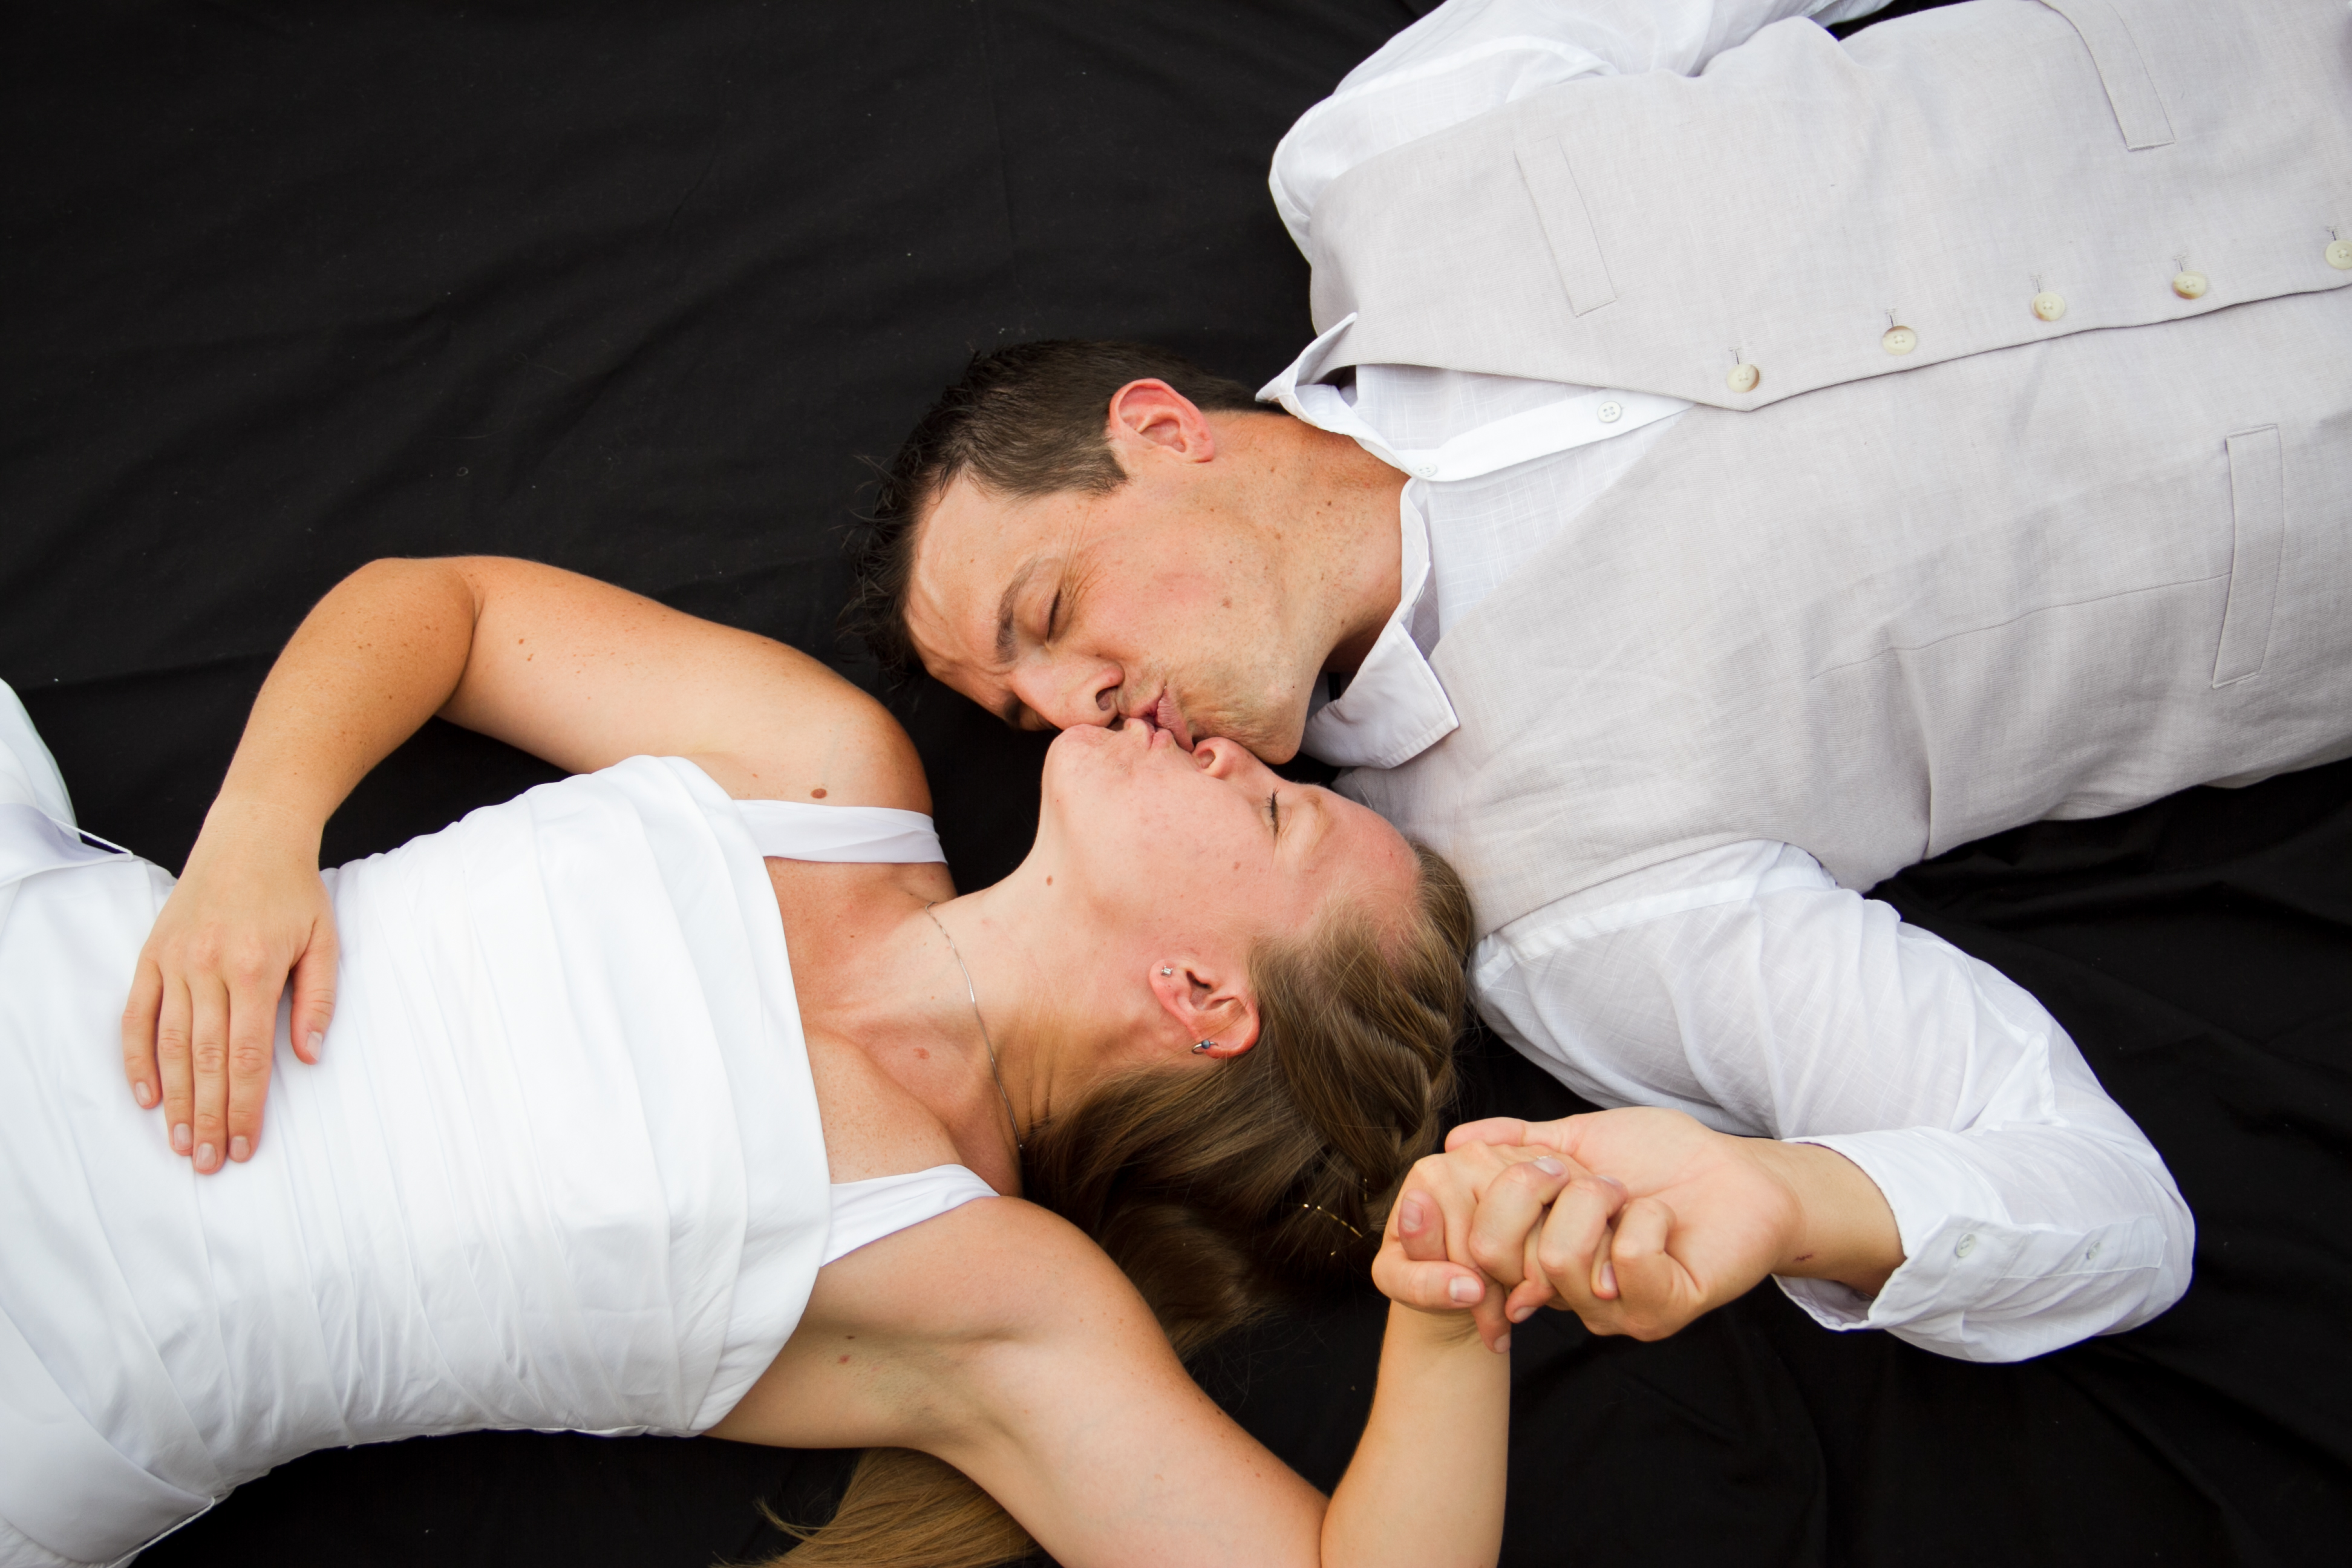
point(633, 289)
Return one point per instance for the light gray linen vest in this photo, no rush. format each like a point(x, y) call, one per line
point(1881, 604)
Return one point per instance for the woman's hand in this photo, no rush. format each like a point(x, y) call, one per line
point(1697, 1218)
point(1464, 1229)
point(200, 1030)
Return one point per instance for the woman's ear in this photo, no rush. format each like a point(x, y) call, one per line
point(1210, 1005)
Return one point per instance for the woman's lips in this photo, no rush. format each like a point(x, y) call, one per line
point(1171, 718)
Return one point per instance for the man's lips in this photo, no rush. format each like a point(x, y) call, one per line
point(1171, 718)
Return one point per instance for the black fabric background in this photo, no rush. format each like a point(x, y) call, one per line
point(635, 289)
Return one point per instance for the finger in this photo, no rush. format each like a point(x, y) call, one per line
point(1439, 1287)
point(208, 1066)
point(172, 1026)
point(1510, 1209)
point(1656, 1295)
point(1420, 1229)
point(314, 994)
point(139, 1017)
point(1492, 1129)
point(1574, 1245)
point(252, 1036)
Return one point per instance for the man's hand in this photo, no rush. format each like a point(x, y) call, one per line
point(1701, 1219)
point(1479, 1199)
point(201, 1025)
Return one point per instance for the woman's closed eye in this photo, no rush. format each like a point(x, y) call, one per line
point(1274, 812)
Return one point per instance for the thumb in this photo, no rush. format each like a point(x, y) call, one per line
point(314, 993)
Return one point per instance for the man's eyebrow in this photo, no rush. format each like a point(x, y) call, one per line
point(1004, 604)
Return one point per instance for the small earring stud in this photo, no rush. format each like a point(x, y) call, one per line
point(1165, 970)
point(1201, 1048)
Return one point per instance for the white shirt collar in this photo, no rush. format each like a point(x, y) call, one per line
point(1394, 707)
point(1578, 417)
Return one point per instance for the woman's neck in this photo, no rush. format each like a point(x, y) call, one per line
point(883, 973)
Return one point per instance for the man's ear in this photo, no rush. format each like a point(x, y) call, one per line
point(1207, 1004)
point(1152, 416)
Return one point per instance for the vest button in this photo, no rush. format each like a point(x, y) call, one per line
point(1609, 412)
point(2339, 256)
point(2049, 306)
point(2190, 285)
point(1899, 341)
point(1742, 378)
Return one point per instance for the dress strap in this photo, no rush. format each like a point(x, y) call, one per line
point(867, 1211)
point(866, 835)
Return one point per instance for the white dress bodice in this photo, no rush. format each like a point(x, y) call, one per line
point(559, 1165)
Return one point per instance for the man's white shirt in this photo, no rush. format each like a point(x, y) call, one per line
point(1741, 985)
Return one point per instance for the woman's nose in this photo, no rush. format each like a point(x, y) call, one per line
point(1220, 758)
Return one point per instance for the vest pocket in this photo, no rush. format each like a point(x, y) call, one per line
point(2123, 71)
point(1567, 226)
point(2258, 514)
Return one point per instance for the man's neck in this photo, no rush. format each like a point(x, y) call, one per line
point(1353, 555)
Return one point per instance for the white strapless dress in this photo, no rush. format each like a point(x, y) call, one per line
point(560, 1166)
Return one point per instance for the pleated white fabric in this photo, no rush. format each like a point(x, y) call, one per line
point(560, 1167)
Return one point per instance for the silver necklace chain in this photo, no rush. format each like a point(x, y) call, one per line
point(1020, 1143)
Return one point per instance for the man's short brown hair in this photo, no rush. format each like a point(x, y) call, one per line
point(1024, 421)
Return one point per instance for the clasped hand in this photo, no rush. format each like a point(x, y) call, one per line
point(1637, 1220)
point(200, 1028)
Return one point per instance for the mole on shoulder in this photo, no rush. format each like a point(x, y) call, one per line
point(817, 794)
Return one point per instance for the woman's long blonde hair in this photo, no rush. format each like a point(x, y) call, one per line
point(1220, 1193)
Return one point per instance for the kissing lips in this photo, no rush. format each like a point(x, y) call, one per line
point(1171, 718)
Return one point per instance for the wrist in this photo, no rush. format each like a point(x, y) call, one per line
point(1841, 1227)
point(261, 824)
point(1434, 1332)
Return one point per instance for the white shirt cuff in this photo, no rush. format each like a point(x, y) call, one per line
point(1974, 1284)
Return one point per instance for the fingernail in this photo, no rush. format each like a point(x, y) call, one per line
point(145, 1094)
point(204, 1156)
point(1521, 1314)
point(1550, 1167)
point(1614, 1183)
point(1609, 1278)
point(1466, 1292)
point(1410, 1216)
point(240, 1149)
point(1502, 1344)
point(318, 1044)
point(180, 1139)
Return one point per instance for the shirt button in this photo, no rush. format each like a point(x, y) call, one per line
point(1742, 378)
point(2339, 256)
point(2049, 306)
point(1968, 1243)
point(2093, 1252)
point(1609, 412)
point(1899, 341)
point(2190, 285)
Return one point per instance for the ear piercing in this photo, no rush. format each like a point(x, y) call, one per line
point(1201, 1048)
point(1165, 970)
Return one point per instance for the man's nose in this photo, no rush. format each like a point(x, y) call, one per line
point(1065, 704)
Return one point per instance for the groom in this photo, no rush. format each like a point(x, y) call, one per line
point(1706, 498)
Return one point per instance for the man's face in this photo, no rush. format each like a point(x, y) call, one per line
point(1160, 599)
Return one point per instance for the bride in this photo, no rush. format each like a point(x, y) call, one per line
point(556, 1137)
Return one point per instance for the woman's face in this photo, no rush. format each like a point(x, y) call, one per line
point(1210, 844)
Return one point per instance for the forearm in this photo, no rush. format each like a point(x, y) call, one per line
point(1425, 1486)
point(371, 663)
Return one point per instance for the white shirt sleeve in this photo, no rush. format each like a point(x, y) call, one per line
point(1744, 987)
point(1470, 56)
